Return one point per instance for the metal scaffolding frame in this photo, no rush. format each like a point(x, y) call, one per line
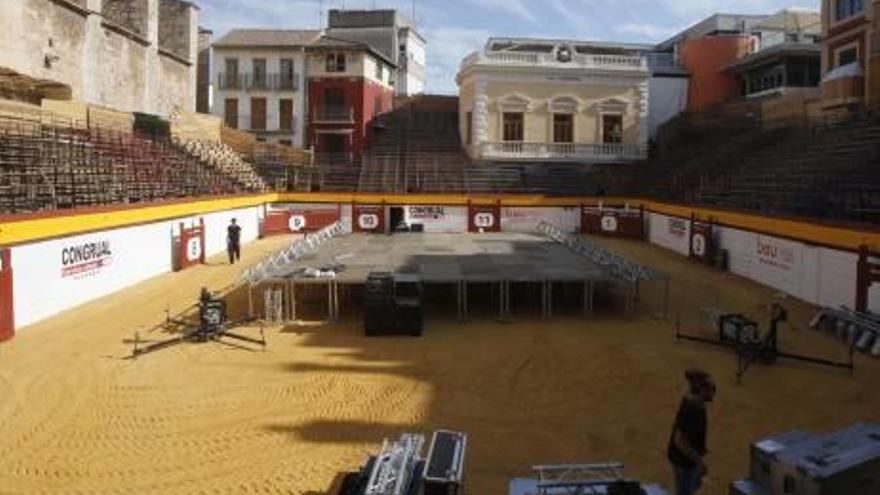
point(272, 266)
point(579, 479)
point(392, 472)
point(629, 273)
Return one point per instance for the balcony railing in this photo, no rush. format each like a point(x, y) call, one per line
point(230, 81)
point(333, 114)
point(272, 126)
point(659, 61)
point(577, 60)
point(251, 82)
point(603, 152)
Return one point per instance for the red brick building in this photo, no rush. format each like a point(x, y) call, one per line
point(350, 84)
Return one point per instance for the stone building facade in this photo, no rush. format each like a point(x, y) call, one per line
point(554, 100)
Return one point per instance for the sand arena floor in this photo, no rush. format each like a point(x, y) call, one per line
point(76, 418)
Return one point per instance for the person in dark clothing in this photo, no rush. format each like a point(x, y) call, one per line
point(687, 443)
point(233, 242)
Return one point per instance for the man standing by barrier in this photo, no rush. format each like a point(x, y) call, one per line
point(687, 444)
point(233, 242)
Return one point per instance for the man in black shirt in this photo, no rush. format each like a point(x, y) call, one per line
point(233, 242)
point(687, 444)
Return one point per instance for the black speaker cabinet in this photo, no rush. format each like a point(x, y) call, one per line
point(393, 305)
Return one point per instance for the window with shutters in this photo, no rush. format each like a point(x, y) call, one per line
point(513, 126)
point(336, 62)
point(563, 128)
point(612, 128)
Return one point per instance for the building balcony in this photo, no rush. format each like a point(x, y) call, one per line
point(552, 60)
point(251, 82)
point(333, 115)
point(265, 125)
point(567, 152)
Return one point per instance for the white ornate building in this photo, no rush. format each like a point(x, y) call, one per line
point(555, 100)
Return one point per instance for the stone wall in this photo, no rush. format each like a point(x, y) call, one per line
point(174, 28)
point(105, 51)
point(203, 72)
point(130, 14)
point(174, 91)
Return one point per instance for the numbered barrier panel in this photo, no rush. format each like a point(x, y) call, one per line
point(191, 248)
point(484, 218)
point(702, 245)
point(298, 221)
point(368, 219)
point(613, 221)
point(7, 315)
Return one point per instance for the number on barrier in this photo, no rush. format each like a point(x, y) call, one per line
point(297, 223)
point(193, 249)
point(609, 224)
point(484, 220)
point(368, 221)
point(698, 244)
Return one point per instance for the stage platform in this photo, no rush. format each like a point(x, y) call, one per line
point(445, 258)
point(555, 271)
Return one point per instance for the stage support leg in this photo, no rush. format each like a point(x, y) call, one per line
point(330, 301)
point(250, 301)
point(336, 299)
point(666, 299)
point(507, 311)
point(465, 310)
point(462, 301)
point(501, 300)
point(588, 297)
point(543, 299)
point(293, 299)
point(289, 301)
point(504, 300)
point(549, 299)
point(458, 299)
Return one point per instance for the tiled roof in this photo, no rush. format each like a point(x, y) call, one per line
point(267, 38)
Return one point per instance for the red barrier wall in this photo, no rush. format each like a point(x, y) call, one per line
point(7, 316)
point(702, 245)
point(368, 219)
point(191, 248)
point(613, 221)
point(298, 221)
point(485, 218)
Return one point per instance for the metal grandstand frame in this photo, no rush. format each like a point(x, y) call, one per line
point(629, 273)
point(269, 267)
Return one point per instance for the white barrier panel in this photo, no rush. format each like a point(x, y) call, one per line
point(519, 218)
point(345, 217)
point(437, 219)
point(670, 232)
point(63, 273)
point(216, 223)
point(817, 275)
point(67, 272)
point(874, 298)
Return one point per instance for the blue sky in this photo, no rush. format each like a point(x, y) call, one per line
point(454, 28)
